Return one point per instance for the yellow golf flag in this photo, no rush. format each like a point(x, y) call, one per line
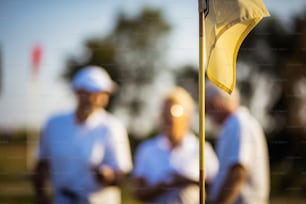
point(227, 24)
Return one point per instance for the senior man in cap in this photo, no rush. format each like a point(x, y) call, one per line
point(167, 166)
point(243, 175)
point(86, 150)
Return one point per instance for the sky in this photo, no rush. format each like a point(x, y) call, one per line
point(61, 27)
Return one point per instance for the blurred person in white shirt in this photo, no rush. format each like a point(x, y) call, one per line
point(86, 151)
point(167, 166)
point(243, 175)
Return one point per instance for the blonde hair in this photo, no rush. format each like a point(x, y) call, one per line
point(181, 96)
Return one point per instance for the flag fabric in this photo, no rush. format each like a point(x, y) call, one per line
point(227, 24)
point(36, 55)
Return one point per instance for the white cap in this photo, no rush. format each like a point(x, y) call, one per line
point(93, 79)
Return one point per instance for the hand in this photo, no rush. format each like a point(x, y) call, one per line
point(105, 175)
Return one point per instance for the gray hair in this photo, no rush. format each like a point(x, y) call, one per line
point(228, 100)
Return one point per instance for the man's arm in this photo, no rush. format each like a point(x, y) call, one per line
point(106, 175)
point(180, 180)
point(145, 192)
point(40, 175)
point(231, 187)
point(121, 145)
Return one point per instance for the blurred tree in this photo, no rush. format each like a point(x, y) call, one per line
point(294, 78)
point(263, 51)
point(132, 54)
point(187, 77)
point(292, 102)
point(277, 55)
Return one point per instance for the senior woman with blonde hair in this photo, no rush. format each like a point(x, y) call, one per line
point(167, 166)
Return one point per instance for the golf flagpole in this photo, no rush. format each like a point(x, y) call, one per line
point(202, 8)
point(32, 99)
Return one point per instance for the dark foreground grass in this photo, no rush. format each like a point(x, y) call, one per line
point(15, 185)
point(15, 176)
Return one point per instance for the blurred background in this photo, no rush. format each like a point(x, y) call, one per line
point(147, 46)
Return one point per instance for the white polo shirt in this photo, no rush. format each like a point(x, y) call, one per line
point(156, 162)
point(120, 141)
point(73, 149)
point(242, 141)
